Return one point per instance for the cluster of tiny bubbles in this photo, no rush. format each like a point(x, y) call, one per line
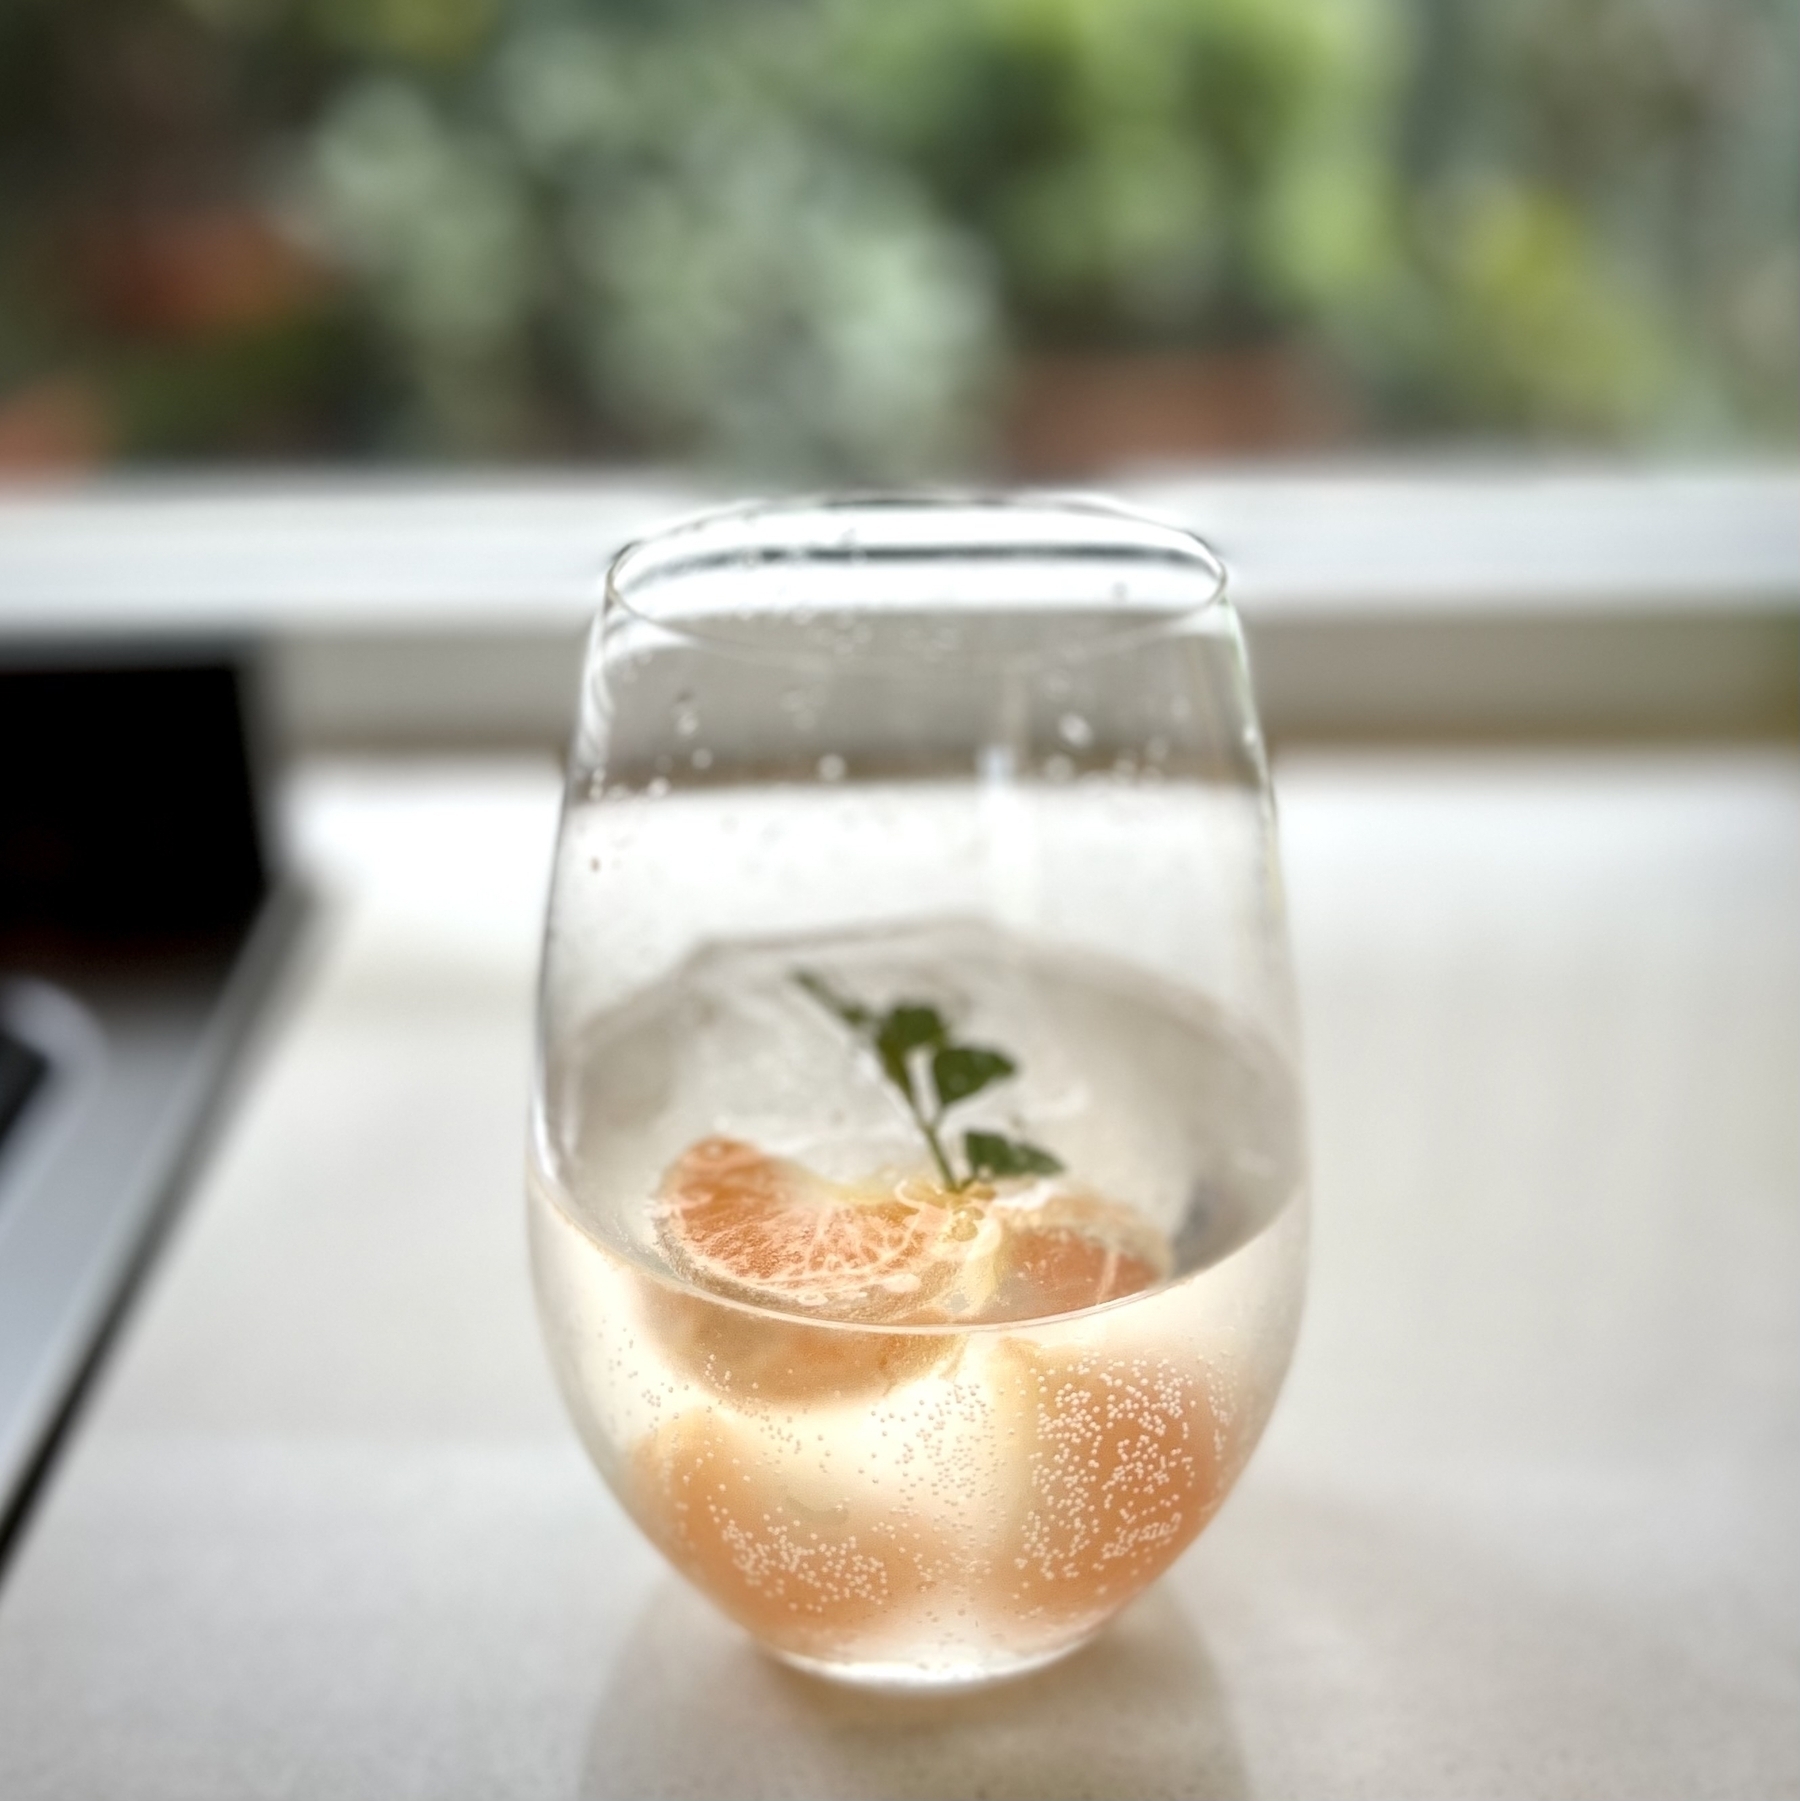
point(848, 634)
point(932, 643)
point(801, 709)
point(685, 714)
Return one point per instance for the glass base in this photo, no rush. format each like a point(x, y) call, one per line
point(950, 1677)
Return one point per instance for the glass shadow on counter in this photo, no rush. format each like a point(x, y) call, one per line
point(141, 924)
point(694, 1708)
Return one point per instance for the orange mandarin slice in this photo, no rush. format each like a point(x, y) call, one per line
point(812, 1574)
point(757, 1360)
point(1071, 1251)
point(1122, 1462)
point(767, 1230)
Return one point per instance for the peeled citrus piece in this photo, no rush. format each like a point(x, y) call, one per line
point(1122, 1461)
point(768, 1230)
point(809, 1573)
point(755, 1360)
point(1071, 1251)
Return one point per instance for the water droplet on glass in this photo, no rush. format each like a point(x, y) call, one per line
point(656, 787)
point(702, 758)
point(831, 767)
point(1075, 731)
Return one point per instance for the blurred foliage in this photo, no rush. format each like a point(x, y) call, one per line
point(817, 238)
point(652, 215)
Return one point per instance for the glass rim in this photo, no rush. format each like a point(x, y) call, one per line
point(824, 528)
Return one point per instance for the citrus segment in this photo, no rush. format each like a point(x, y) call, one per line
point(1122, 1462)
point(1071, 1251)
point(753, 1360)
point(805, 1574)
point(766, 1229)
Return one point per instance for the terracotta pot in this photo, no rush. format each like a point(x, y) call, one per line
point(52, 427)
point(190, 272)
point(1078, 413)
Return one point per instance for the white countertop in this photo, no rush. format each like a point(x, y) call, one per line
point(1527, 1522)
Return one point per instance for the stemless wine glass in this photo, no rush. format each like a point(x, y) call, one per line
point(917, 1196)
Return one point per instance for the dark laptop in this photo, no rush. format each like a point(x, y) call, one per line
point(140, 927)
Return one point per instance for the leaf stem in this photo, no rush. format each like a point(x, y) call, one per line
point(929, 1128)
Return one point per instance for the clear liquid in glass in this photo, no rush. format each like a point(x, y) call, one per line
point(950, 1446)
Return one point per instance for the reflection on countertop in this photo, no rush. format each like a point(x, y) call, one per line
point(692, 1708)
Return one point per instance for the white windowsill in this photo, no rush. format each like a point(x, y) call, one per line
point(1410, 601)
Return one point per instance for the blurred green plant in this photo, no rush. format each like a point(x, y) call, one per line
point(811, 238)
point(648, 215)
point(1603, 206)
point(1146, 171)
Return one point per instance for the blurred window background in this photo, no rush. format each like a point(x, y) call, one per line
point(886, 239)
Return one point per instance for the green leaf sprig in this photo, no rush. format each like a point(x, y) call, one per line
point(911, 1041)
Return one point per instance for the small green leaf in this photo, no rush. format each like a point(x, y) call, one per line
point(913, 1023)
point(990, 1154)
point(853, 1013)
point(960, 1070)
point(906, 1028)
point(957, 1072)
